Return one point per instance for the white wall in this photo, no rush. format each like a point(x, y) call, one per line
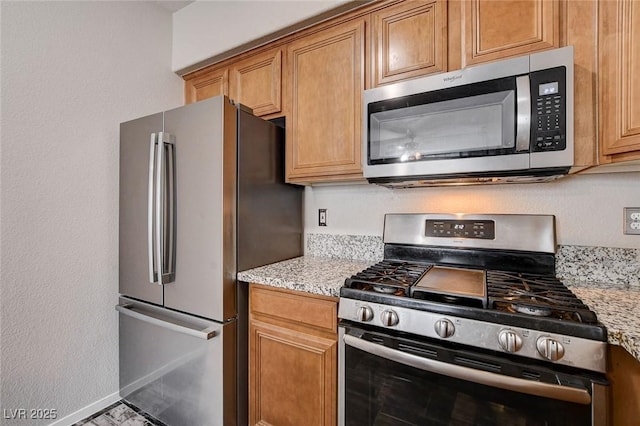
point(71, 72)
point(205, 29)
point(588, 208)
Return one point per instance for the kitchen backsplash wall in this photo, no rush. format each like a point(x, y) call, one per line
point(599, 264)
point(588, 208)
point(360, 247)
point(602, 265)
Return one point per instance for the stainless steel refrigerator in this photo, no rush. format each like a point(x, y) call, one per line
point(202, 196)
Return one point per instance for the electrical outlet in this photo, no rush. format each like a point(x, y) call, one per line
point(632, 220)
point(322, 217)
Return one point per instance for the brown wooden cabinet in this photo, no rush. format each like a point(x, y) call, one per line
point(491, 30)
point(325, 81)
point(206, 84)
point(624, 396)
point(257, 82)
point(293, 358)
point(315, 77)
point(619, 94)
point(409, 39)
point(583, 37)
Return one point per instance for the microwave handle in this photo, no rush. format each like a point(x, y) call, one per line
point(546, 390)
point(523, 125)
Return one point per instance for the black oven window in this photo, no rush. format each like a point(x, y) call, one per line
point(382, 393)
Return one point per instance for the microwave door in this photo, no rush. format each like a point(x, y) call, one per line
point(452, 125)
point(481, 123)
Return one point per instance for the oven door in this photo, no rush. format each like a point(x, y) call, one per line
point(393, 380)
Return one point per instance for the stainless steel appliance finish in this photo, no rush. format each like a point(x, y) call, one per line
point(501, 122)
point(579, 352)
point(202, 196)
point(518, 349)
point(162, 350)
point(516, 232)
point(386, 378)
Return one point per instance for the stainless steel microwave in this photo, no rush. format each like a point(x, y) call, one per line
point(505, 121)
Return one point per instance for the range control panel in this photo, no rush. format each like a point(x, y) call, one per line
point(481, 229)
point(531, 343)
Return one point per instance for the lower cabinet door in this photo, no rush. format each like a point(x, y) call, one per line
point(292, 375)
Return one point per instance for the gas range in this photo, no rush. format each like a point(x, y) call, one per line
point(481, 281)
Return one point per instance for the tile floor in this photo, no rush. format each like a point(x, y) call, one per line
point(120, 413)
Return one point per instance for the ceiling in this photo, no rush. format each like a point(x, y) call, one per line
point(173, 6)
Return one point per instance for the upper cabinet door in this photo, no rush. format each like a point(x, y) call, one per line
point(206, 84)
point(409, 40)
point(619, 62)
point(499, 29)
point(326, 80)
point(257, 82)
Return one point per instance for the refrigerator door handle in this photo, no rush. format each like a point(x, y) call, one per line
point(131, 310)
point(165, 204)
point(159, 211)
point(170, 218)
point(153, 262)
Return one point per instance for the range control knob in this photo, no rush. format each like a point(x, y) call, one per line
point(389, 318)
point(550, 348)
point(364, 313)
point(444, 328)
point(510, 341)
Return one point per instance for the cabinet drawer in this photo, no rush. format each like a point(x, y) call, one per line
point(305, 309)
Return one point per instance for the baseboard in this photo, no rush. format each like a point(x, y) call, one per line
point(87, 411)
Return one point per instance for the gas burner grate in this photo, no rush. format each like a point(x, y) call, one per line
point(388, 277)
point(535, 295)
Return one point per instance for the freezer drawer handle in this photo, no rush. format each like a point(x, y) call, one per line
point(205, 334)
point(546, 390)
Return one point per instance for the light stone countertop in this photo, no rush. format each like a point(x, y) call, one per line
point(315, 275)
point(616, 305)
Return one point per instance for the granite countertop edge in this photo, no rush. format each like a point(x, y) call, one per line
point(613, 304)
point(315, 275)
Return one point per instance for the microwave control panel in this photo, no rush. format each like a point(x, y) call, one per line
point(549, 97)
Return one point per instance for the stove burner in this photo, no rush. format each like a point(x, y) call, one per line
point(531, 303)
point(383, 289)
point(388, 277)
point(535, 295)
point(531, 310)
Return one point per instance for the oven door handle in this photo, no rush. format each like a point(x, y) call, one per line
point(546, 390)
